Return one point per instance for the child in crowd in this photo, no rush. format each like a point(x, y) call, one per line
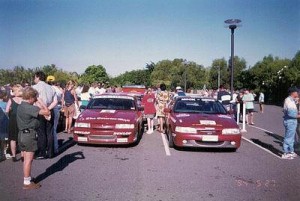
point(28, 123)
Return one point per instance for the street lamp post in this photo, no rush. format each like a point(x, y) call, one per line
point(232, 25)
point(219, 77)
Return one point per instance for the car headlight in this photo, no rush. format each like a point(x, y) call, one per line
point(180, 129)
point(82, 125)
point(124, 126)
point(230, 131)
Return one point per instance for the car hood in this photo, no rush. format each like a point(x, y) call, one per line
point(100, 115)
point(204, 120)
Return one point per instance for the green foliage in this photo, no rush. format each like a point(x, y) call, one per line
point(135, 77)
point(94, 74)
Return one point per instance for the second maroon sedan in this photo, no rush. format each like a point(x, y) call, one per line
point(201, 122)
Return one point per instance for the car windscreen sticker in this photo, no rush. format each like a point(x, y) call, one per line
point(225, 116)
point(188, 99)
point(120, 97)
point(207, 122)
point(108, 111)
point(208, 100)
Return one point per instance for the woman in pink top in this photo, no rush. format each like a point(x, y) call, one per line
point(149, 109)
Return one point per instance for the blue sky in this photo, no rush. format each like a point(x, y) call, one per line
point(123, 35)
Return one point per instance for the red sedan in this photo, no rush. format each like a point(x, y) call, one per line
point(201, 122)
point(109, 119)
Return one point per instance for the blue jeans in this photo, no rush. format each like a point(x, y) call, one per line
point(56, 111)
point(290, 126)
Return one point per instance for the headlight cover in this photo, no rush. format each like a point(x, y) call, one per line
point(124, 126)
point(181, 129)
point(82, 125)
point(231, 131)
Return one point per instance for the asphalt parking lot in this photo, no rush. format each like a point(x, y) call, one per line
point(152, 171)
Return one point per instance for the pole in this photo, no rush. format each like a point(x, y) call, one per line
point(185, 79)
point(232, 59)
point(219, 77)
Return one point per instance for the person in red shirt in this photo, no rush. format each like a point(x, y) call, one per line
point(149, 108)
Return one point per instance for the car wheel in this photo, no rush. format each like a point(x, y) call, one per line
point(171, 142)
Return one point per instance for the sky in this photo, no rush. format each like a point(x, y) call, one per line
point(125, 35)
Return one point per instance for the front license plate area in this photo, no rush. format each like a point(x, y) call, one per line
point(82, 139)
point(210, 138)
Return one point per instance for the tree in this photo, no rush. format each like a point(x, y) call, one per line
point(94, 74)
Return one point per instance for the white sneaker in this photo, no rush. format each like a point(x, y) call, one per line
point(293, 154)
point(149, 132)
point(287, 156)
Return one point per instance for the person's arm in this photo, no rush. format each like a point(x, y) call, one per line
point(75, 97)
point(44, 111)
point(8, 106)
point(54, 102)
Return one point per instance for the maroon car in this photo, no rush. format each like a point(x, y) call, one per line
point(201, 122)
point(109, 119)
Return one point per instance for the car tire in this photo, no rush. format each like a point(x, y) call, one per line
point(171, 142)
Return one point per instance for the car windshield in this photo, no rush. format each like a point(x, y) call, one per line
point(198, 105)
point(112, 104)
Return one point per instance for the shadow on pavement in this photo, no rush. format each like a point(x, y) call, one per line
point(267, 146)
point(63, 146)
point(60, 165)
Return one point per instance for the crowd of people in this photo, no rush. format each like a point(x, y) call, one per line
point(30, 115)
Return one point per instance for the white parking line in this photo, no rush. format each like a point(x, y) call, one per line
point(268, 151)
point(261, 129)
point(167, 150)
point(250, 141)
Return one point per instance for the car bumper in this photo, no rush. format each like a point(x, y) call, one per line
point(104, 139)
point(207, 141)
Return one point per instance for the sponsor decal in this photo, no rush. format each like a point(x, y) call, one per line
point(208, 100)
point(122, 140)
point(118, 97)
point(108, 111)
point(225, 116)
point(207, 122)
point(122, 133)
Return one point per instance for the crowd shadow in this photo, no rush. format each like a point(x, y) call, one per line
point(63, 146)
point(60, 165)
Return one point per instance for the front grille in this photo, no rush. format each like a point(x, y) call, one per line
point(102, 137)
point(209, 143)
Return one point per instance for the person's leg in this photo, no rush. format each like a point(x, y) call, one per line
point(70, 119)
point(27, 164)
point(42, 137)
point(252, 117)
point(56, 111)
point(151, 125)
point(13, 148)
point(289, 137)
point(148, 125)
point(161, 125)
point(49, 130)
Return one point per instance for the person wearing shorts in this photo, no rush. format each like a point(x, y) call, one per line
point(28, 124)
point(149, 109)
point(248, 98)
point(69, 100)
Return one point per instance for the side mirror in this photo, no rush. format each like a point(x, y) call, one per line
point(167, 110)
point(140, 108)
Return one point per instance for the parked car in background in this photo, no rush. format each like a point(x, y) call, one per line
point(201, 122)
point(110, 119)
